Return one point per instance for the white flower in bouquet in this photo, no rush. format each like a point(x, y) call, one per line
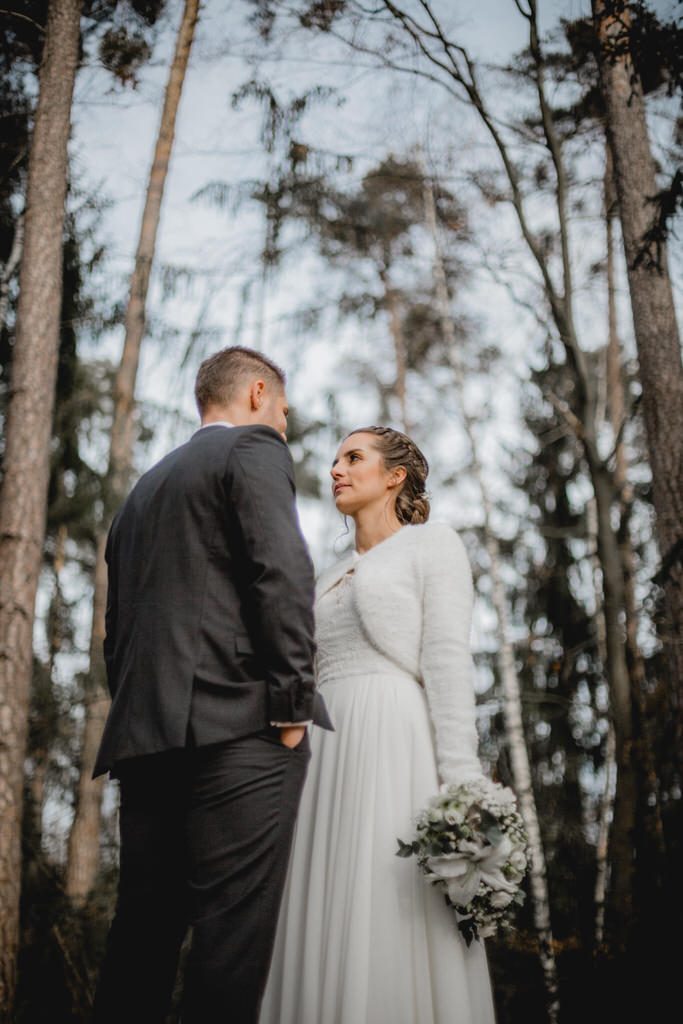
point(501, 899)
point(475, 862)
point(470, 841)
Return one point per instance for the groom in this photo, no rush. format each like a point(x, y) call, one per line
point(209, 652)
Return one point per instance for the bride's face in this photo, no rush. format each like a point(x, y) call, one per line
point(359, 476)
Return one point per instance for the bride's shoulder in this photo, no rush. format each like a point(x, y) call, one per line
point(437, 545)
point(434, 535)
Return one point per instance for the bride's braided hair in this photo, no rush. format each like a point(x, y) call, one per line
point(397, 449)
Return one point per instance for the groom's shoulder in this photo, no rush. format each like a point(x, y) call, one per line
point(250, 437)
point(258, 442)
point(258, 434)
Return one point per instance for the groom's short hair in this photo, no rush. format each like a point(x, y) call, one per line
point(221, 376)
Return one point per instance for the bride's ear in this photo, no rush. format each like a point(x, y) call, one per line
point(398, 476)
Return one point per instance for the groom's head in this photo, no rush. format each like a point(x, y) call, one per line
point(241, 386)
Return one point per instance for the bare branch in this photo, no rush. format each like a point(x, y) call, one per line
point(525, 14)
point(24, 17)
point(570, 418)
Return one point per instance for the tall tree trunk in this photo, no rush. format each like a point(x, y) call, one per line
point(583, 420)
point(83, 849)
point(27, 449)
point(617, 417)
point(512, 699)
point(654, 318)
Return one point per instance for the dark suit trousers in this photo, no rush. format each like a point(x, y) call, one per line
point(205, 840)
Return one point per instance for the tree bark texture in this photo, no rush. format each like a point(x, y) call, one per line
point(654, 319)
point(83, 848)
point(27, 448)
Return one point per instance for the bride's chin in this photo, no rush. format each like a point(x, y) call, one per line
point(345, 507)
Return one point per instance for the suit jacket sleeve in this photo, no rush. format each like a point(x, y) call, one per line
point(445, 660)
point(279, 573)
point(110, 615)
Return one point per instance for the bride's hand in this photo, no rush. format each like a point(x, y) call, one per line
point(292, 736)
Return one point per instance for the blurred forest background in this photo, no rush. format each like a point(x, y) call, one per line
point(457, 219)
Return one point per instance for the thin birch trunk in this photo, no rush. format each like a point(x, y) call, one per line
point(400, 389)
point(40, 752)
point(8, 271)
point(26, 461)
point(615, 403)
point(605, 812)
point(83, 847)
point(617, 416)
point(512, 701)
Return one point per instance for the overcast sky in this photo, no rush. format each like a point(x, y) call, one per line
point(114, 133)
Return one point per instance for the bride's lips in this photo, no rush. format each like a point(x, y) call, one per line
point(338, 487)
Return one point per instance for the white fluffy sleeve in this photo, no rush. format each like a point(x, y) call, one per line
point(446, 665)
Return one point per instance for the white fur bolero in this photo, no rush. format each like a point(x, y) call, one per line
point(414, 595)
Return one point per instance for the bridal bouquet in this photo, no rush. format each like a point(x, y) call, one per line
point(471, 842)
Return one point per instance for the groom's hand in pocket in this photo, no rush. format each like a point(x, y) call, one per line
point(292, 735)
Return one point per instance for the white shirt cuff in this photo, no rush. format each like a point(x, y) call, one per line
point(291, 725)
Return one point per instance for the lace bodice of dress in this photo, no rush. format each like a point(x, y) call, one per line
point(343, 648)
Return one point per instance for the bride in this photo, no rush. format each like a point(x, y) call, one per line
point(362, 938)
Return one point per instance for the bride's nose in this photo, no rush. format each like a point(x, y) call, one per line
point(335, 472)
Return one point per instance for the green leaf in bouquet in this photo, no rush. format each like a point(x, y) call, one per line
point(490, 826)
point(406, 849)
point(468, 929)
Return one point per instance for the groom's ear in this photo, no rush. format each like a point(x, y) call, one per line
point(257, 393)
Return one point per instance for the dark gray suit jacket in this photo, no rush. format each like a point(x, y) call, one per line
point(209, 624)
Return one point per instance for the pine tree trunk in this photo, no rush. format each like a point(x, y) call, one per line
point(617, 412)
point(27, 449)
point(512, 698)
point(83, 849)
point(654, 319)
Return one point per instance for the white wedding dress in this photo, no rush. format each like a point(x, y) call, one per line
point(362, 938)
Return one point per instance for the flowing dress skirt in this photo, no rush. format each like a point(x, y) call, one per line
point(362, 937)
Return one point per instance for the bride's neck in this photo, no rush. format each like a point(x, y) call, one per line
point(373, 526)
